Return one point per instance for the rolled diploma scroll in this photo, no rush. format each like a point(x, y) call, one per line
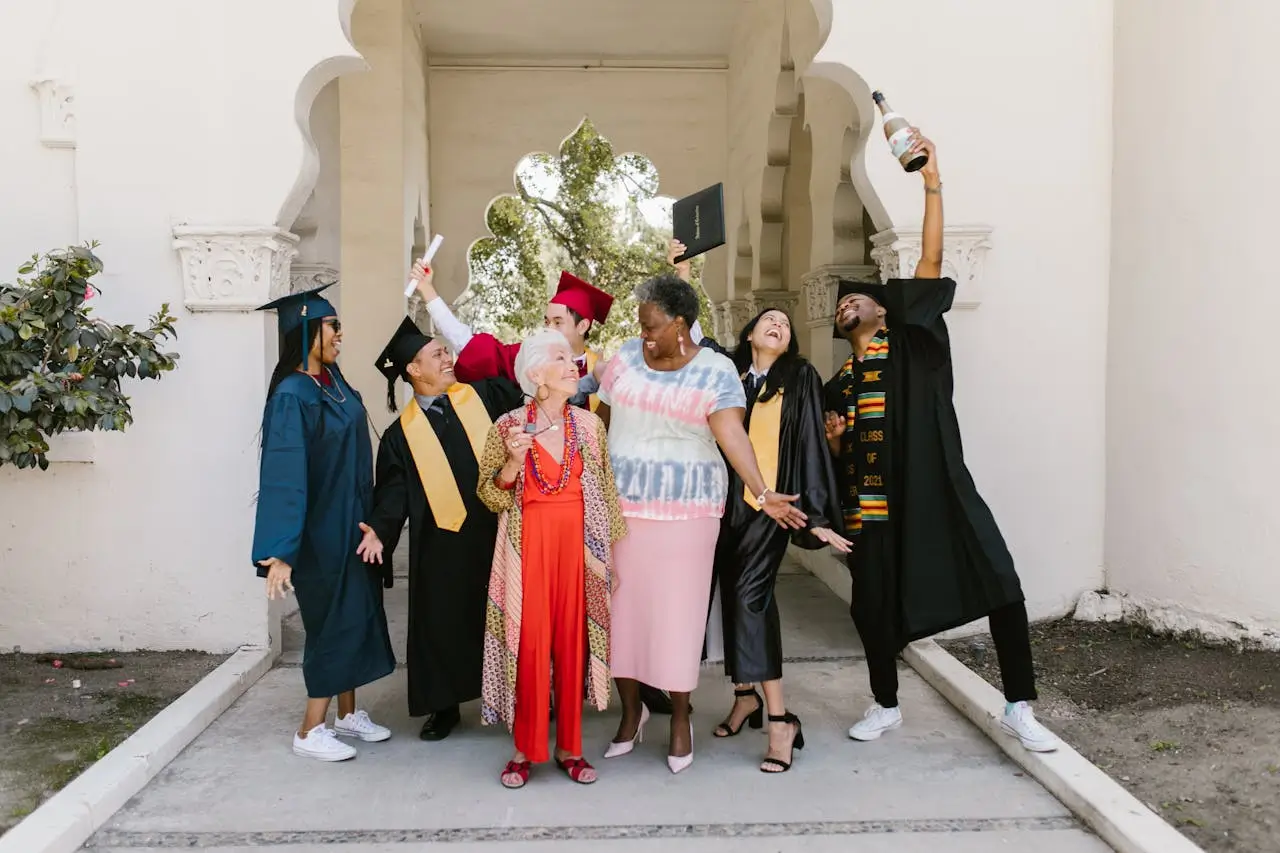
point(426, 259)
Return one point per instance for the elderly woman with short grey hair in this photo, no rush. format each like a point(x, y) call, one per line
point(672, 407)
point(545, 470)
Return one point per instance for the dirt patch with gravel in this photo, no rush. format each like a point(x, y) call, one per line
point(1192, 730)
point(61, 713)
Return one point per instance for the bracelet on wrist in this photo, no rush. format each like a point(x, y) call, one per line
point(503, 484)
point(933, 190)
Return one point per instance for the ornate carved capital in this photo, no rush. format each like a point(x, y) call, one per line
point(787, 300)
point(57, 113)
point(738, 312)
point(719, 319)
point(307, 276)
point(964, 249)
point(234, 268)
point(822, 284)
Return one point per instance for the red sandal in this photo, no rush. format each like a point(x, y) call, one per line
point(515, 768)
point(575, 767)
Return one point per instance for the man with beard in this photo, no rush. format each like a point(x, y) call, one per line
point(927, 553)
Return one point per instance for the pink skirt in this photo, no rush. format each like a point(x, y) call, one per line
point(660, 605)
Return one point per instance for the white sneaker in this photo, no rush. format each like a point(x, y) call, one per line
point(359, 725)
point(1022, 724)
point(321, 744)
point(876, 722)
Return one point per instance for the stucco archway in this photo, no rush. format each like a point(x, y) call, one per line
point(485, 112)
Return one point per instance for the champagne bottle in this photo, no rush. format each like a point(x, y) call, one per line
point(898, 131)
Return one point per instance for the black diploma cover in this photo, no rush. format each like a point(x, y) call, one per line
point(698, 221)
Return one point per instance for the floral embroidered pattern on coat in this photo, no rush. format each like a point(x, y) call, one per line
point(602, 526)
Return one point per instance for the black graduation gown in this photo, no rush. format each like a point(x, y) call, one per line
point(315, 488)
point(941, 561)
point(751, 544)
point(448, 571)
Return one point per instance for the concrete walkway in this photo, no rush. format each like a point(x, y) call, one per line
point(936, 785)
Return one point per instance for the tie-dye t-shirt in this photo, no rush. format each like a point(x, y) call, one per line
point(664, 456)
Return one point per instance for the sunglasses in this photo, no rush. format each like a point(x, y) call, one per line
point(335, 323)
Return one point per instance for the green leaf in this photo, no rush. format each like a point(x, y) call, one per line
point(25, 332)
point(6, 402)
point(23, 402)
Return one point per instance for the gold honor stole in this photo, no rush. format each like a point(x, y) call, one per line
point(765, 434)
point(592, 358)
point(429, 458)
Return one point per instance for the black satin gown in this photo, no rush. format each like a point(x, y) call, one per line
point(751, 544)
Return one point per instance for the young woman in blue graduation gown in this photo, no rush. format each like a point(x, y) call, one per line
point(315, 491)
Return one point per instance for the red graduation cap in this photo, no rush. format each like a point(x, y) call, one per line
point(588, 302)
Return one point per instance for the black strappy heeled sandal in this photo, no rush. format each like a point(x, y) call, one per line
point(796, 743)
point(755, 719)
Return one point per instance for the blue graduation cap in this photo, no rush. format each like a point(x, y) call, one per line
point(299, 309)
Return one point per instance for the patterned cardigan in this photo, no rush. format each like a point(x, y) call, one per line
point(602, 526)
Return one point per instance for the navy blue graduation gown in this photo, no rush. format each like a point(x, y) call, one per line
point(315, 487)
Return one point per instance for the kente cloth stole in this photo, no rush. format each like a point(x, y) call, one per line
point(429, 457)
point(864, 445)
point(765, 432)
point(592, 358)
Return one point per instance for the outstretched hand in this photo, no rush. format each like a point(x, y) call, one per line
point(278, 577)
point(370, 547)
point(780, 509)
point(830, 537)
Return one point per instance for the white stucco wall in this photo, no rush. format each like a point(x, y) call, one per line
point(1193, 417)
point(1018, 98)
point(148, 545)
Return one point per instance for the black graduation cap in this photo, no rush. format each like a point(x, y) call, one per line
point(877, 291)
point(403, 348)
point(299, 309)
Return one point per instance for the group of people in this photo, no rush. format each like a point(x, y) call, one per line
point(570, 517)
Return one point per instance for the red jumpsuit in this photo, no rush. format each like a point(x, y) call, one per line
point(553, 618)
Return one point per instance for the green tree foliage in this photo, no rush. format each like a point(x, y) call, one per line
point(580, 211)
point(61, 369)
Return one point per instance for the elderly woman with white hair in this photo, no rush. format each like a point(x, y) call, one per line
point(545, 470)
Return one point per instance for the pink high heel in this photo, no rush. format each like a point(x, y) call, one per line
point(617, 750)
point(676, 763)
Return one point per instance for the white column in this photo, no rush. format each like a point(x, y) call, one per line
point(375, 251)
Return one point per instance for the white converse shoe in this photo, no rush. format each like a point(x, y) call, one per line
point(876, 722)
point(321, 744)
point(359, 725)
point(1020, 722)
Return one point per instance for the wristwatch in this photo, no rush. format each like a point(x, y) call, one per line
point(760, 497)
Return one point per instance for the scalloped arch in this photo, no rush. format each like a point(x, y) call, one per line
point(343, 58)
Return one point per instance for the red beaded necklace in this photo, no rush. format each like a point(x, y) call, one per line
point(570, 452)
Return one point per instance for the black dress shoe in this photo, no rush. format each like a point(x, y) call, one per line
point(440, 723)
point(656, 700)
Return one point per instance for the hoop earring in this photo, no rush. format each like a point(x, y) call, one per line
point(542, 397)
